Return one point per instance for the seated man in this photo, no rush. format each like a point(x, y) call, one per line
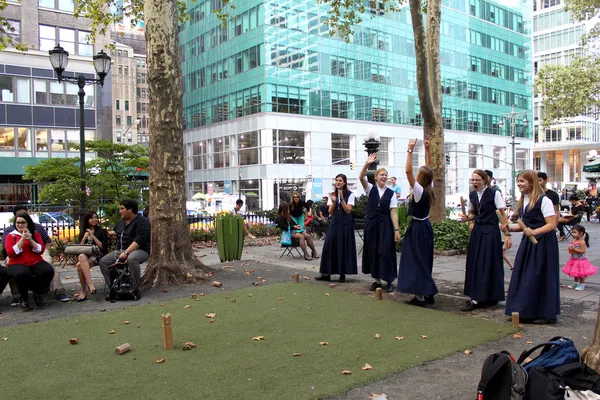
point(576, 209)
point(236, 211)
point(133, 244)
point(56, 286)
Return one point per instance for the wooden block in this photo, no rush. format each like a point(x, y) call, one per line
point(296, 277)
point(515, 319)
point(122, 349)
point(379, 293)
point(523, 226)
point(217, 284)
point(167, 330)
point(462, 206)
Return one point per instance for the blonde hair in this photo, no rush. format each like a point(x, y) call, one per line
point(535, 191)
point(380, 170)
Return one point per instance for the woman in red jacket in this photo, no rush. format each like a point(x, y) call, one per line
point(25, 265)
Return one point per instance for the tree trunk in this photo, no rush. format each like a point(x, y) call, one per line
point(427, 52)
point(591, 354)
point(172, 260)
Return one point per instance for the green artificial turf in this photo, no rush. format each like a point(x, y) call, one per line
point(39, 362)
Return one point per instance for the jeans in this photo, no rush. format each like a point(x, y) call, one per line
point(134, 260)
point(36, 277)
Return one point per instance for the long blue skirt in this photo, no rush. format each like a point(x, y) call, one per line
point(534, 290)
point(339, 250)
point(379, 251)
point(484, 278)
point(416, 261)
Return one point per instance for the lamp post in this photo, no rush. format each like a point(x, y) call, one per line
point(512, 118)
point(137, 121)
point(59, 58)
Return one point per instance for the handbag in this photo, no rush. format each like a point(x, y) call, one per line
point(87, 249)
point(286, 238)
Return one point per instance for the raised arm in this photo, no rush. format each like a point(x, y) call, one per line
point(409, 167)
point(428, 154)
point(362, 176)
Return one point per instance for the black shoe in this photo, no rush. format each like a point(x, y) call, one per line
point(38, 299)
point(415, 302)
point(81, 299)
point(24, 302)
point(15, 302)
point(342, 279)
point(492, 303)
point(469, 306)
point(137, 294)
point(323, 277)
point(544, 321)
point(389, 287)
point(429, 299)
point(374, 286)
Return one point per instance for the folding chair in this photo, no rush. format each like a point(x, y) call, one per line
point(359, 227)
point(289, 250)
point(63, 258)
point(569, 228)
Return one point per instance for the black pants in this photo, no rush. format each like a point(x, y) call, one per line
point(36, 277)
point(3, 278)
point(319, 226)
point(561, 226)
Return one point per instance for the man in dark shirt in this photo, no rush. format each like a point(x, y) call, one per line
point(133, 244)
point(324, 209)
point(551, 194)
point(576, 209)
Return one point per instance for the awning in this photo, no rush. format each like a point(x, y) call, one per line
point(592, 167)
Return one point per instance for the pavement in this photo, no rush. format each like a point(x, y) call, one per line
point(453, 377)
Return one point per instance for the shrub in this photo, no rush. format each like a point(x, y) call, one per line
point(262, 230)
point(360, 207)
point(451, 235)
point(203, 235)
point(270, 214)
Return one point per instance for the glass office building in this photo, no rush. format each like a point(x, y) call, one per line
point(272, 88)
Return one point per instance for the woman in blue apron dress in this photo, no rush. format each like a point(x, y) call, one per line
point(338, 256)
point(484, 276)
point(416, 261)
point(381, 228)
point(534, 290)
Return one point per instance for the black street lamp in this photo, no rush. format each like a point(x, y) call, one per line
point(371, 144)
point(59, 58)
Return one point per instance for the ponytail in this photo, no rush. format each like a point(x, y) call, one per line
point(586, 237)
point(584, 234)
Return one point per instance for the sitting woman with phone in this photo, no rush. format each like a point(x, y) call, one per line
point(96, 236)
point(284, 221)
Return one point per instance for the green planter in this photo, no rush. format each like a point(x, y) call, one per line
point(230, 236)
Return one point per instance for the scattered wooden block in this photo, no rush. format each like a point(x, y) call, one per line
point(515, 319)
point(217, 284)
point(167, 330)
point(122, 349)
point(74, 340)
point(296, 277)
point(379, 293)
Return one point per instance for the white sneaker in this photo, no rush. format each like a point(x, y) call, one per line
point(580, 287)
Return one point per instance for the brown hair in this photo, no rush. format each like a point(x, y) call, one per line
point(483, 175)
point(425, 179)
point(535, 191)
point(284, 210)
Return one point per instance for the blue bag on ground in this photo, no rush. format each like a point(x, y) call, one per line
point(555, 353)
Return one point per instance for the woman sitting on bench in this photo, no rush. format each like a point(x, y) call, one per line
point(284, 221)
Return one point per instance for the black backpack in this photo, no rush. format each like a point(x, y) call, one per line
point(122, 287)
point(550, 384)
point(501, 378)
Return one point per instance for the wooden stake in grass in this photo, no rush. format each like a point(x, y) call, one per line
point(122, 349)
point(515, 319)
point(167, 330)
point(296, 277)
point(379, 294)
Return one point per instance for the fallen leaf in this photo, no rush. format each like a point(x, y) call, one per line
point(187, 306)
point(126, 323)
point(233, 301)
point(160, 361)
point(211, 315)
point(4, 339)
point(378, 396)
point(249, 294)
point(423, 337)
point(281, 298)
point(584, 338)
point(74, 340)
point(306, 278)
point(226, 297)
point(201, 294)
point(227, 266)
point(258, 338)
point(327, 294)
point(323, 343)
point(139, 326)
point(468, 352)
point(346, 372)
point(260, 277)
point(247, 272)
point(377, 336)
point(518, 335)
point(161, 304)
point(112, 332)
point(194, 296)
point(217, 284)
point(249, 379)
point(332, 285)
point(529, 342)
point(211, 321)
point(296, 355)
point(164, 290)
point(399, 338)
point(367, 367)
point(188, 346)
point(264, 281)
point(198, 299)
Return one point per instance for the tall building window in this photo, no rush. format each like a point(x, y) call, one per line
point(475, 159)
point(126, 105)
point(248, 148)
point(118, 120)
point(200, 155)
point(288, 147)
point(117, 105)
point(13, 30)
point(340, 149)
point(221, 152)
point(73, 41)
point(41, 140)
point(62, 5)
point(497, 151)
point(384, 151)
point(129, 121)
point(7, 92)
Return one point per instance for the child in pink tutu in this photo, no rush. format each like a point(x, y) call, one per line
point(578, 265)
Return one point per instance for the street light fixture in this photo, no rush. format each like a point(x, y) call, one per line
point(59, 58)
point(512, 118)
point(136, 122)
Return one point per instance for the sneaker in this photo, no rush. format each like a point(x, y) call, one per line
point(468, 306)
point(580, 287)
point(62, 296)
point(15, 302)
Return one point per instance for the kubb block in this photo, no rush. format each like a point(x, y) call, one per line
point(379, 293)
point(167, 330)
point(296, 277)
point(122, 349)
point(515, 319)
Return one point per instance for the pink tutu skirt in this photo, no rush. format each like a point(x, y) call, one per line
point(579, 268)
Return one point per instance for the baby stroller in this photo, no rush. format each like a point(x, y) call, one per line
point(122, 287)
